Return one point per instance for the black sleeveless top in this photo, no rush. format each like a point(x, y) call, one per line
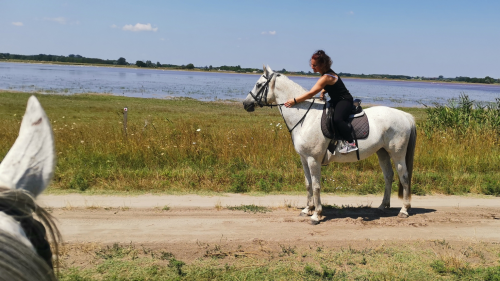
point(337, 91)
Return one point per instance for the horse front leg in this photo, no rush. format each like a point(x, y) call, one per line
point(315, 171)
point(310, 202)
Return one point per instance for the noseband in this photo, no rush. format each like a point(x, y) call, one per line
point(262, 94)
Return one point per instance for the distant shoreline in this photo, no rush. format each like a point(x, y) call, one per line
point(234, 72)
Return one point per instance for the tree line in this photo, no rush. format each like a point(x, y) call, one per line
point(72, 58)
point(54, 58)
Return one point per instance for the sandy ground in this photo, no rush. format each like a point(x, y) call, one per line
point(193, 221)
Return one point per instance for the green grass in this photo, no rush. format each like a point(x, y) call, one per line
point(188, 146)
point(422, 260)
point(249, 208)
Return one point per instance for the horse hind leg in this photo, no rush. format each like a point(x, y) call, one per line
point(385, 163)
point(404, 187)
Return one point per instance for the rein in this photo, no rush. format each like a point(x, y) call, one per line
point(262, 93)
point(301, 119)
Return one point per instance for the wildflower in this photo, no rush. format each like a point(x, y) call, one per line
point(162, 154)
point(194, 143)
point(278, 124)
point(198, 130)
point(63, 116)
point(82, 141)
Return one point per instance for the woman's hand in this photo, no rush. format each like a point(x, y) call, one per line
point(290, 102)
point(322, 95)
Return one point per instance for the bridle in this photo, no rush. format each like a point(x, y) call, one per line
point(262, 94)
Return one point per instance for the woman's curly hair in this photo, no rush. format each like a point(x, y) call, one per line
point(323, 61)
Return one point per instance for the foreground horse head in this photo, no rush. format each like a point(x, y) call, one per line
point(25, 172)
point(392, 136)
point(262, 93)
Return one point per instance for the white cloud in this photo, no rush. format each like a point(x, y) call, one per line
point(351, 13)
point(60, 20)
point(162, 39)
point(140, 27)
point(17, 23)
point(113, 26)
point(268, 32)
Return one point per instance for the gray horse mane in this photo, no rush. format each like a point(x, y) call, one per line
point(19, 262)
point(21, 205)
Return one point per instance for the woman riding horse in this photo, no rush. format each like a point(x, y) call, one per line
point(340, 98)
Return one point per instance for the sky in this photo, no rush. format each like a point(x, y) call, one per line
point(416, 38)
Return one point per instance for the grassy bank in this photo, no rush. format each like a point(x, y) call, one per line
point(421, 260)
point(185, 145)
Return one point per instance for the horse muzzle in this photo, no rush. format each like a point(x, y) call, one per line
point(249, 106)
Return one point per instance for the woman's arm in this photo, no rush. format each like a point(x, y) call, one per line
point(322, 82)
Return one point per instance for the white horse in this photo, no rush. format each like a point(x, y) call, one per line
point(392, 135)
point(25, 172)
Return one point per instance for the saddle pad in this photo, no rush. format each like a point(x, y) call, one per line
point(324, 127)
point(360, 125)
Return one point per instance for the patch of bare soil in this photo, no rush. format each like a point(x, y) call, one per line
point(200, 229)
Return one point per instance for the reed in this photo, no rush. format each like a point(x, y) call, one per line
point(184, 145)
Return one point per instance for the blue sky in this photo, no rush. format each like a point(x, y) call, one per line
point(417, 38)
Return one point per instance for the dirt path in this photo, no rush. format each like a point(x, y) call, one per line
point(194, 220)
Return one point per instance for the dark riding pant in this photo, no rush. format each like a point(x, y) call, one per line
point(343, 109)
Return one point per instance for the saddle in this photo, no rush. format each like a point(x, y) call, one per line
point(358, 121)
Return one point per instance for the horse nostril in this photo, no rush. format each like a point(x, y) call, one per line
point(249, 107)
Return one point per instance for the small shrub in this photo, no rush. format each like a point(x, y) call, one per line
point(250, 208)
point(79, 182)
point(177, 265)
point(239, 183)
point(439, 266)
point(166, 255)
point(491, 186)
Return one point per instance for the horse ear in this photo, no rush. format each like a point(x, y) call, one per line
point(272, 85)
point(265, 70)
point(30, 162)
point(269, 70)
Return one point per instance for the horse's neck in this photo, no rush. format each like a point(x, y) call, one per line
point(285, 90)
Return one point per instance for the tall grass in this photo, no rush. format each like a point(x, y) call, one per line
point(464, 116)
point(185, 145)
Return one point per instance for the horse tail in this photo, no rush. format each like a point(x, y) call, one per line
point(410, 155)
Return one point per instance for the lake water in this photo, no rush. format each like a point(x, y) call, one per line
point(208, 86)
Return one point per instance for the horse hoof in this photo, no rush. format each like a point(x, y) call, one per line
point(314, 222)
point(403, 215)
point(303, 214)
